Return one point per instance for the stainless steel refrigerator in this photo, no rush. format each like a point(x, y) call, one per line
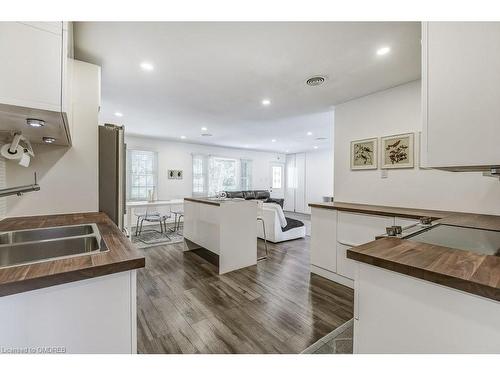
point(112, 173)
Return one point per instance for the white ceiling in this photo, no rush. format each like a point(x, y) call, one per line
point(216, 74)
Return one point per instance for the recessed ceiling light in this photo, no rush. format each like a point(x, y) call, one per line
point(118, 114)
point(287, 151)
point(315, 147)
point(266, 102)
point(147, 66)
point(35, 123)
point(49, 139)
point(273, 140)
point(383, 51)
point(309, 133)
point(204, 128)
point(246, 146)
point(183, 137)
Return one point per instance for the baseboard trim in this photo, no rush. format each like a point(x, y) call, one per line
point(332, 276)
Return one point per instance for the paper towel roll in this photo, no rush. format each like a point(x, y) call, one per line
point(25, 160)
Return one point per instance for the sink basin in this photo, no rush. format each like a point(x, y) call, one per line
point(28, 235)
point(38, 245)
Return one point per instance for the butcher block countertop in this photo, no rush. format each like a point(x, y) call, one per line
point(121, 255)
point(459, 269)
point(410, 213)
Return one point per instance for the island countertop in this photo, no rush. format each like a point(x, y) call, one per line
point(460, 269)
point(121, 255)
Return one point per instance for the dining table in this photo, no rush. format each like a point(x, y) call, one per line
point(134, 205)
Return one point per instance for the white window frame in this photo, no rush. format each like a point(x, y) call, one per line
point(130, 175)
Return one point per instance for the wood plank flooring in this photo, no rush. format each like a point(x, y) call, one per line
point(184, 306)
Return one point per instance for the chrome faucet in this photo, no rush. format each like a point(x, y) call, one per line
point(20, 190)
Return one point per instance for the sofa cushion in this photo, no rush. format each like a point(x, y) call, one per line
point(249, 194)
point(292, 223)
point(234, 194)
point(262, 194)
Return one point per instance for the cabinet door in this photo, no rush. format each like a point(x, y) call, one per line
point(461, 93)
point(323, 239)
point(30, 66)
point(356, 229)
point(345, 267)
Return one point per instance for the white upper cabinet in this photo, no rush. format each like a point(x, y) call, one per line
point(35, 76)
point(31, 66)
point(461, 94)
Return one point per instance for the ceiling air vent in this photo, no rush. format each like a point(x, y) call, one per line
point(315, 81)
point(321, 139)
point(206, 135)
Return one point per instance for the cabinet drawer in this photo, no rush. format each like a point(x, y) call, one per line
point(357, 229)
point(345, 267)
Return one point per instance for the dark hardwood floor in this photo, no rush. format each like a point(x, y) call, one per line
point(184, 306)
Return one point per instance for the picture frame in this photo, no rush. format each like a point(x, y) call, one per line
point(364, 154)
point(398, 151)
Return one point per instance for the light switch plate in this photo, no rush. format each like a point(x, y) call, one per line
point(384, 173)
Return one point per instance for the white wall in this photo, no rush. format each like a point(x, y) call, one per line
point(178, 155)
point(319, 176)
point(394, 111)
point(68, 177)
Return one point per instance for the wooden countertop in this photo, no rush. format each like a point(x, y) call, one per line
point(410, 213)
point(122, 255)
point(464, 270)
point(214, 202)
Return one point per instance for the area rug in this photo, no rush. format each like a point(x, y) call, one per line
point(339, 341)
point(151, 236)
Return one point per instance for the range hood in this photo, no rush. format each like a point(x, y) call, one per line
point(13, 119)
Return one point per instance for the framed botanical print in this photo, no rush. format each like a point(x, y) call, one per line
point(364, 154)
point(398, 151)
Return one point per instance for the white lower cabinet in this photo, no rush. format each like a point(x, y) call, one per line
point(324, 239)
point(345, 267)
point(334, 232)
point(96, 315)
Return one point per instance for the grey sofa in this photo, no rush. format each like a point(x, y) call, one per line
point(255, 194)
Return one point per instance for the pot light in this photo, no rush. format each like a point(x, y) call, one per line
point(309, 133)
point(383, 51)
point(118, 114)
point(183, 137)
point(273, 140)
point(204, 129)
point(35, 123)
point(48, 139)
point(287, 151)
point(147, 66)
point(315, 147)
point(266, 102)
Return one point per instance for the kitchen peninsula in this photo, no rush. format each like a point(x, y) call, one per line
point(411, 296)
point(227, 228)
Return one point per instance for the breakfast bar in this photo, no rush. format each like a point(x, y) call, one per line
point(222, 230)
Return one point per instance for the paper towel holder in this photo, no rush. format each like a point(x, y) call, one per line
point(19, 149)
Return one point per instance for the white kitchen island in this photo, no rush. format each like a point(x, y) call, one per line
point(226, 228)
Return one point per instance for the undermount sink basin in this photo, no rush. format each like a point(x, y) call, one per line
point(37, 245)
point(29, 235)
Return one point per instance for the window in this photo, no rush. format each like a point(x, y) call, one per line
point(277, 177)
point(246, 174)
point(212, 174)
point(223, 175)
point(200, 175)
point(142, 174)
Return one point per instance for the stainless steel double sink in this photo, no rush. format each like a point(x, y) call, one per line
point(42, 244)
